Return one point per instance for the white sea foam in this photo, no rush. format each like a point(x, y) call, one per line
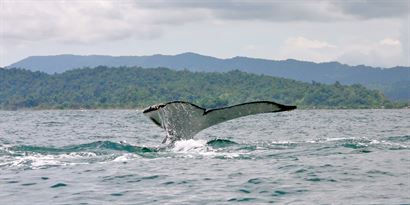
point(125, 157)
point(191, 148)
point(339, 139)
point(283, 142)
point(390, 144)
point(38, 161)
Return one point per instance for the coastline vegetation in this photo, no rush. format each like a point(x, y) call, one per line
point(134, 87)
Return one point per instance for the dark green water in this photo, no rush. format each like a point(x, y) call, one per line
point(116, 157)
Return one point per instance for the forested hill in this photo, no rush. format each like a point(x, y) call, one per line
point(394, 82)
point(134, 87)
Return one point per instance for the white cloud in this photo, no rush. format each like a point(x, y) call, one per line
point(390, 42)
point(85, 21)
point(250, 47)
point(92, 21)
point(405, 40)
point(303, 48)
point(385, 53)
point(304, 43)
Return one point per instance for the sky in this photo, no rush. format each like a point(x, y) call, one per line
point(354, 32)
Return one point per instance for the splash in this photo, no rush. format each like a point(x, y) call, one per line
point(200, 148)
point(191, 146)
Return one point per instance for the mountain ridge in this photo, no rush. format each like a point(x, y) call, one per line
point(192, 54)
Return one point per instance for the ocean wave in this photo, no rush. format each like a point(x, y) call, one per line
point(97, 147)
point(34, 157)
point(397, 142)
point(221, 143)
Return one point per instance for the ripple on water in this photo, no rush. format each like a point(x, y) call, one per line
point(28, 184)
point(255, 181)
point(358, 156)
point(245, 199)
point(58, 185)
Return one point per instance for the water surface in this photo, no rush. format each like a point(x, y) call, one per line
point(116, 157)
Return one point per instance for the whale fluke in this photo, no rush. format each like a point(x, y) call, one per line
point(182, 120)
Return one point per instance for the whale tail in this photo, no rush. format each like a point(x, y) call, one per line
point(182, 120)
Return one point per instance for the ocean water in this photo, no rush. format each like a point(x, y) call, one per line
point(116, 157)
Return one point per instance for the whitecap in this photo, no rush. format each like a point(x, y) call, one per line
point(193, 148)
point(38, 161)
point(125, 157)
point(190, 146)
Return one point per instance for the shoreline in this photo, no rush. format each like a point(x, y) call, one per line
point(141, 109)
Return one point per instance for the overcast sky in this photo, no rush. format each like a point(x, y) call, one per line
point(374, 32)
